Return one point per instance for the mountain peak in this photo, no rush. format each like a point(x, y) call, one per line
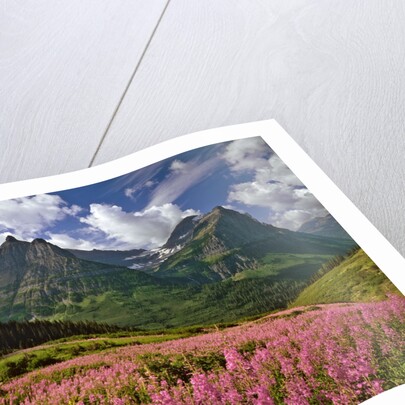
point(233, 228)
point(41, 248)
point(39, 240)
point(219, 209)
point(181, 233)
point(217, 212)
point(11, 238)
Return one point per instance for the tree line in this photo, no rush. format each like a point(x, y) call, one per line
point(24, 334)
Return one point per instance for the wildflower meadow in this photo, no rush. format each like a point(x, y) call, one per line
point(326, 354)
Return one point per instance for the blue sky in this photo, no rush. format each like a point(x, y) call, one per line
point(140, 209)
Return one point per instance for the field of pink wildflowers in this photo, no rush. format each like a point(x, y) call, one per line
point(339, 353)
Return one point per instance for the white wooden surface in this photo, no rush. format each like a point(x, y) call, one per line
point(331, 72)
point(63, 68)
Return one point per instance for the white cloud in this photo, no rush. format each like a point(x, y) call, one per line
point(247, 154)
point(178, 166)
point(148, 229)
point(274, 186)
point(67, 242)
point(130, 191)
point(73, 210)
point(182, 176)
point(150, 183)
point(276, 170)
point(277, 196)
point(293, 219)
point(27, 216)
point(229, 207)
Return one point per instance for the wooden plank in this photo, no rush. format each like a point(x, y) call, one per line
point(330, 72)
point(63, 68)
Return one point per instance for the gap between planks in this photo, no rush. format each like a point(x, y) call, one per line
point(129, 83)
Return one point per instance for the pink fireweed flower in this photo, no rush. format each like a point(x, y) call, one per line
point(260, 396)
point(204, 391)
point(335, 354)
point(235, 361)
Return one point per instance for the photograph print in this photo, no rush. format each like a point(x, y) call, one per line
point(211, 277)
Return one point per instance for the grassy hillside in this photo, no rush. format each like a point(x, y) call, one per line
point(356, 279)
point(282, 266)
point(44, 355)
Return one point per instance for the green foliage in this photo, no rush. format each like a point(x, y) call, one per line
point(24, 363)
point(18, 367)
point(42, 356)
point(169, 368)
point(174, 367)
point(355, 278)
point(208, 362)
point(250, 346)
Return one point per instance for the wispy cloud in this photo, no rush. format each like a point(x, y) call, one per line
point(131, 192)
point(134, 182)
point(182, 176)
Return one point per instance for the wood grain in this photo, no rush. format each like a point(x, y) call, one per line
point(331, 72)
point(63, 68)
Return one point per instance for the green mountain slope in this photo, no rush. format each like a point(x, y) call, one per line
point(39, 279)
point(156, 307)
point(226, 242)
point(356, 279)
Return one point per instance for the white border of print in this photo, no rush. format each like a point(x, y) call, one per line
point(344, 211)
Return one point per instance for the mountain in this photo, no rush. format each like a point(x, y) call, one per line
point(225, 242)
point(16, 255)
point(355, 279)
point(216, 246)
point(219, 267)
point(182, 233)
point(324, 226)
point(39, 279)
